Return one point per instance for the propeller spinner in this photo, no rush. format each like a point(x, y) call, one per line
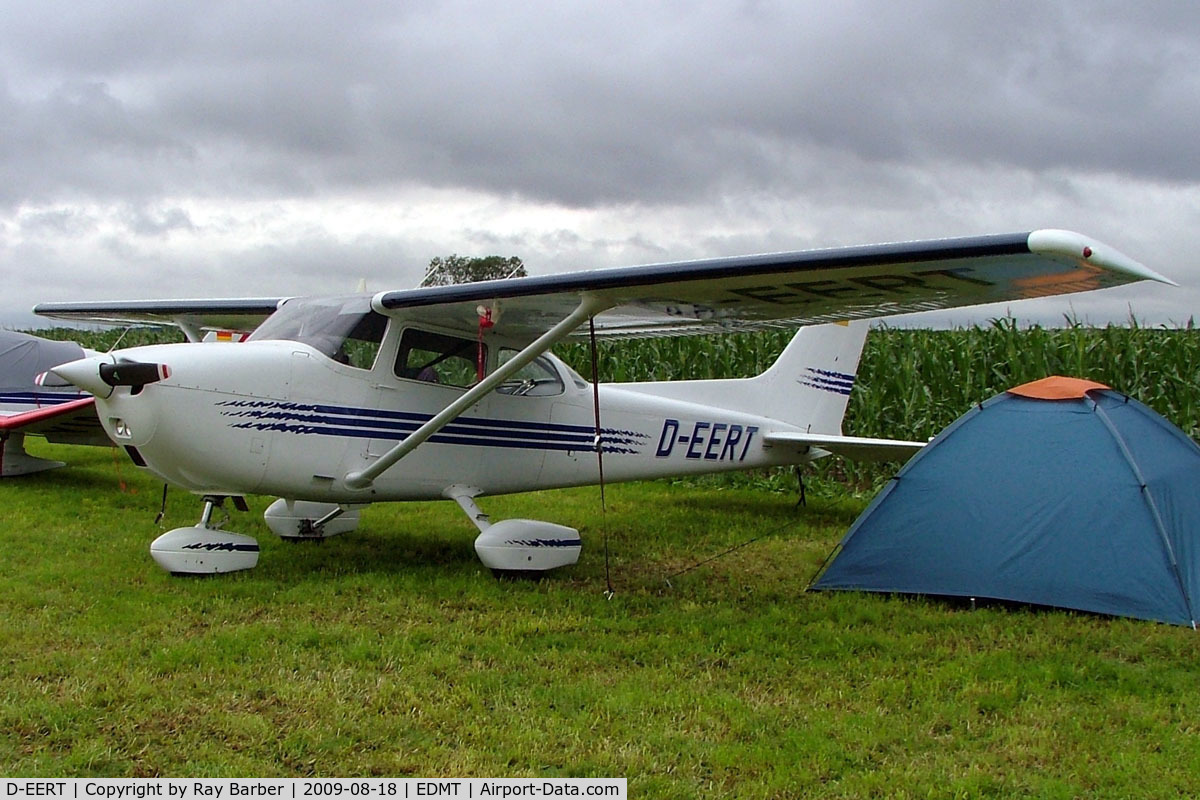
point(99, 375)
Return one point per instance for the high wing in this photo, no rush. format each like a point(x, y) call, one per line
point(192, 316)
point(713, 295)
point(784, 289)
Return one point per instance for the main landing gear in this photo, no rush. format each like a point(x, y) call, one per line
point(15, 461)
point(304, 520)
point(518, 547)
point(510, 548)
point(206, 549)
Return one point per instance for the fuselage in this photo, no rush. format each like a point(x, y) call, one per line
point(281, 417)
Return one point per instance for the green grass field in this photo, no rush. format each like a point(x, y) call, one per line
point(391, 651)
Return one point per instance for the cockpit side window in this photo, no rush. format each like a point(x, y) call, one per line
point(342, 328)
point(438, 358)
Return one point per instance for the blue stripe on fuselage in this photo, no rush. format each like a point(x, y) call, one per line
point(327, 420)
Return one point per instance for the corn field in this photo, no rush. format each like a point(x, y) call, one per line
point(911, 383)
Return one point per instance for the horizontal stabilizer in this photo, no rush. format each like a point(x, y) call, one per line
point(857, 448)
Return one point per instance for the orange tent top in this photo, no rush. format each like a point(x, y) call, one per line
point(1056, 387)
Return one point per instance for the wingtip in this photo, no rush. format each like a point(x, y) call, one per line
point(1057, 242)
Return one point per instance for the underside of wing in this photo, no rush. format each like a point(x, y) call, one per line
point(192, 316)
point(784, 289)
point(856, 448)
point(72, 421)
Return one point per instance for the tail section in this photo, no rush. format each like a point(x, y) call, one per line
point(808, 386)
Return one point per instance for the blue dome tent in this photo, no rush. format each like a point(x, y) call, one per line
point(1061, 492)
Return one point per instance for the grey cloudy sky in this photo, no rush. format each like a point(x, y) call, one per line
point(183, 149)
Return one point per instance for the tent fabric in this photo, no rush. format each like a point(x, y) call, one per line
point(23, 356)
point(1056, 387)
point(1088, 503)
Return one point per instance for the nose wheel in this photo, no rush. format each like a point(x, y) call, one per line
point(204, 548)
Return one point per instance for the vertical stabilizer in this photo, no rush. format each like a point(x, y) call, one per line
point(809, 384)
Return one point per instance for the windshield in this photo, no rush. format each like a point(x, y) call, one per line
point(343, 328)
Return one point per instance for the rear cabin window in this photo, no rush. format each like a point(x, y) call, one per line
point(538, 378)
point(438, 358)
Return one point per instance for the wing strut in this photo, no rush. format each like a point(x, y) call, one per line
point(589, 305)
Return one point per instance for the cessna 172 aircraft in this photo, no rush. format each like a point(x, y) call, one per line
point(450, 392)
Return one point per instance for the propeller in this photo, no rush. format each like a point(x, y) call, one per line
point(101, 374)
point(133, 373)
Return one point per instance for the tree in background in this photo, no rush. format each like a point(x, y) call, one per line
point(464, 269)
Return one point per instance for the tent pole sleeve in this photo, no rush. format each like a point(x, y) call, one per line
point(1149, 498)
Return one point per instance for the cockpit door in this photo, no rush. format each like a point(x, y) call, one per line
point(523, 430)
point(425, 372)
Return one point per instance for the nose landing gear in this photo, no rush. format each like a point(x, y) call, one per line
point(205, 549)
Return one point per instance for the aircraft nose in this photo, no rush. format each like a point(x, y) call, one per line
point(85, 373)
point(100, 374)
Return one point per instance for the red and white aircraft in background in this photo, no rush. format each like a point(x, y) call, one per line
point(61, 413)
point(451, 392)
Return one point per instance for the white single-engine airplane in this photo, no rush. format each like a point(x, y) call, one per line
point(451, 392)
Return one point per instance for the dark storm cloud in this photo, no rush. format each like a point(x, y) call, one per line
point(155, 149)
point(583, 104)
